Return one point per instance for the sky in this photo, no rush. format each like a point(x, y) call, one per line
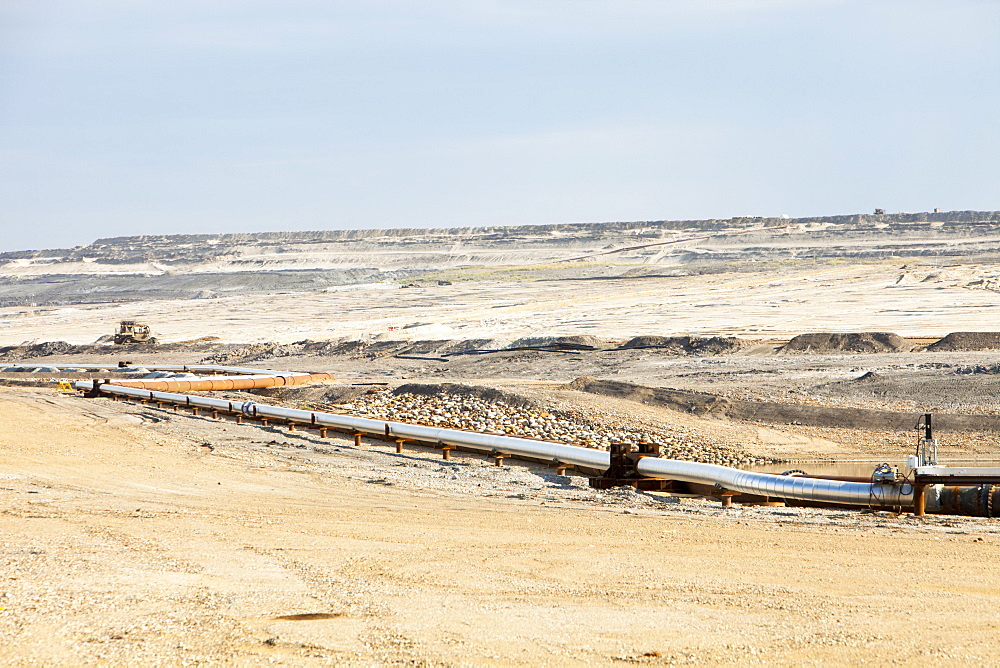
point(174, 117)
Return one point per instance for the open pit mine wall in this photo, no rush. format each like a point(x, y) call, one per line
point(514, 231)
point(191, 247)
point(205, 266)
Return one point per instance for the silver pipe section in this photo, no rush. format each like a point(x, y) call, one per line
point(778, 486)
point(566, 454)
point(746, 482)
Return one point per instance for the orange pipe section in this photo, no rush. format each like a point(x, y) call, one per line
point(224, 382)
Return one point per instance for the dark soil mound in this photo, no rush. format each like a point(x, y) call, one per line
point(972, 390)
point(337, 347)
point(967, 341)
point(992, 369)
point(580, 342)
point(584, 341)
point(315, 395)
point(854, 342)
point(487, 393)
point(251, 352)
point(770, 412)
point(689, 345)
point(43, 349)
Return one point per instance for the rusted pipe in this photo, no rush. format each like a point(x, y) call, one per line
point(222, 383)
point(233, 378)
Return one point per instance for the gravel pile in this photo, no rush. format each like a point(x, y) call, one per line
point(477, 414)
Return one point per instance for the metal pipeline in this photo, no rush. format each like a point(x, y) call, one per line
point(239, 378)
point(761, 484)
point(189, 368)
point(223, 382)
point(567, 454)
point(779, 486)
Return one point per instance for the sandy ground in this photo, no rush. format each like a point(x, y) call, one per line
point(135, 536)
point(138, 536)
point(775, 304)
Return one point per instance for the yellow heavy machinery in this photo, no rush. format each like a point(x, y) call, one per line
point(129, 332)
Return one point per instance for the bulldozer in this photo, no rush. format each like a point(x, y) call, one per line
point(129, 331)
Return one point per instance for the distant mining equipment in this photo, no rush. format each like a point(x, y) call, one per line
point(130, 332)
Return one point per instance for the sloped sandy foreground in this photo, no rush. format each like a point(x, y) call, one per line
point(136, 536)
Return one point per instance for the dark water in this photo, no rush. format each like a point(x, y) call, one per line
point(861, 468)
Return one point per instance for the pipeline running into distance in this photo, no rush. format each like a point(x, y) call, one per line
point(233, 378)
point(724, 477)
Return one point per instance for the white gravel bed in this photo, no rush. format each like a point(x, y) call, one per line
point(477, 414)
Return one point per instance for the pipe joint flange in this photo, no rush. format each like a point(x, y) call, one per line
point(249, 409)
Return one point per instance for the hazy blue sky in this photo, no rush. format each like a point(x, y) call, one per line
point(122, 117)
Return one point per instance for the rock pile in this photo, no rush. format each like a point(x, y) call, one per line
point(477, 414)
point(978, 368)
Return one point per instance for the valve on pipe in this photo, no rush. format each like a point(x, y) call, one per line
point(95, 390)
point(622, 472)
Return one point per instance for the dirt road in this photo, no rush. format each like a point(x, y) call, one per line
point(134, 536)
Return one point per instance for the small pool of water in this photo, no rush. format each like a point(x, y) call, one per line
point(857, 468)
